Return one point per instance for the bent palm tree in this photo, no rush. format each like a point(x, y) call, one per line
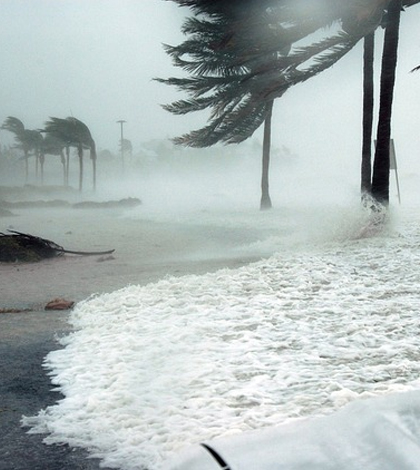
point(74, 133)
point(242, 55)
point(235, 63)
point(16, 127)
point(27, 140)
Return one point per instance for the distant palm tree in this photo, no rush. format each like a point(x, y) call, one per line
point(26, 139)
point(74, 133)
point(16, 127)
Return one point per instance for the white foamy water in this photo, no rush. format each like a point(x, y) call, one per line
point(151, 369)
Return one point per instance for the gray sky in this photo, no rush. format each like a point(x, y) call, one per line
point(95, 60)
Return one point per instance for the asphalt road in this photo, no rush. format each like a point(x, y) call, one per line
point(25, 389)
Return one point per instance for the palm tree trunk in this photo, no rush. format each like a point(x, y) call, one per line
point(36, 166)
point(93, 158)
point(265, 195)
point(26, 166)
point(63, 162)
point(381, 167)
point(368, 103)
point(67, 166)
point(80, 153)
point(41, 163)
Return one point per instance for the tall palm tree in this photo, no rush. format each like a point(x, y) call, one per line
point(381, 165)
point(239, 60)
point(233, 55)
point(74, 133)
point(388, 12)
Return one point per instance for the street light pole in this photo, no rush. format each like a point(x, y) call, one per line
point(121, 122)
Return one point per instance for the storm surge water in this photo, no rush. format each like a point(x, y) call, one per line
point(151, 369)
point(328, 313)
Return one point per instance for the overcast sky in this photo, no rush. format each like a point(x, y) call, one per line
point(95, 60)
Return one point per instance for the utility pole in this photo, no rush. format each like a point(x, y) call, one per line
point(121, 122)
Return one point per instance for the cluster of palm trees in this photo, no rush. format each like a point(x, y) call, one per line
point(241, 55)
point(56, 138)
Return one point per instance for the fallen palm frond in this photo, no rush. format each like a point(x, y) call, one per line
point(18, 246)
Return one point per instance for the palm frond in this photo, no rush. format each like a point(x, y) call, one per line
point(182, 107)
point(13, 124)
point(239, 56)
point(70, 130)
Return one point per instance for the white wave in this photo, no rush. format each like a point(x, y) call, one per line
point(151, 369)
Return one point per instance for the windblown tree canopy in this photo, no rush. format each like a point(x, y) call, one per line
point(26, 139)
point(74, 133)
point(242, 54)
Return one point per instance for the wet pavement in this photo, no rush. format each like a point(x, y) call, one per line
point(25, 388)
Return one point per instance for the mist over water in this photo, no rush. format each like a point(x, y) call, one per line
point(216, 192)
point(310, 204)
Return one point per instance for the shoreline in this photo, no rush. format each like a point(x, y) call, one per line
point(145, 251)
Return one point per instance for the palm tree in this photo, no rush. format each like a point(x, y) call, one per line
point(237, 68)
point(26, 139)
point(74, 133)
point(16, 127)
point(381, 165)
point(390, 12)
point(238, 58)
point(384, 11)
